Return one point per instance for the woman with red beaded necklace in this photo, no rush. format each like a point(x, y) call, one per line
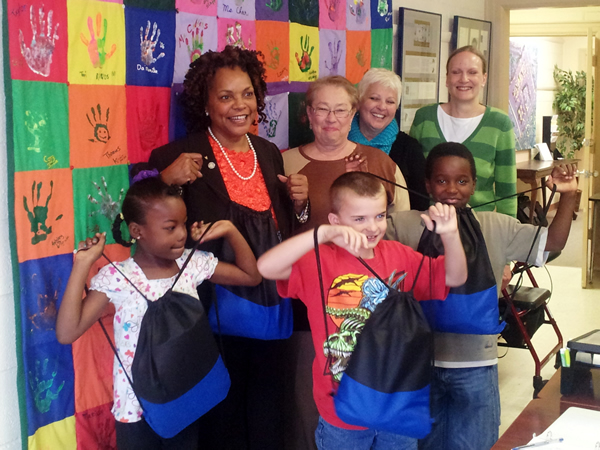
point(226, 172)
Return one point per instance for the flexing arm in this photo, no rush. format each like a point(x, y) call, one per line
point(276, 264)
point(75, 315)
point(244, 272)
point(563, 177)
point(446, 226)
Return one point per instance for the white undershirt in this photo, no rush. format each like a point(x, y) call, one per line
point(457, 129)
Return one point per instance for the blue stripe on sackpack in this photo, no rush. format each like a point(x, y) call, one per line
point(405, 413)
point(465, 313)
point(168, 419)
point(241, 317)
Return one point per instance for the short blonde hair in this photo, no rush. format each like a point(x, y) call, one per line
point(470, 49)
point(386, 78)
point(335, 81)
point(362, 184)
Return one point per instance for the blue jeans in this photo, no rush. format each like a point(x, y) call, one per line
point(465, 405)
point(330, 437)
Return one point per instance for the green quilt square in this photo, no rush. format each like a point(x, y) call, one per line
point(381, 48)
point(41, 125)
point(97, 198)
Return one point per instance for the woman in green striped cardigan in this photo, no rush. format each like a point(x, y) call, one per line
point(487, 132)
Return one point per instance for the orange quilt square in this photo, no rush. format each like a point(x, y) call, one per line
point(43, 213)
point(273, 40)
point(358, 54)
point(97, 126)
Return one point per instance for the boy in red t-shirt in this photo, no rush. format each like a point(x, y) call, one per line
point(357, 225)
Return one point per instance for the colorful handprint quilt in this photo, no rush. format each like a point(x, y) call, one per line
point(94, 87)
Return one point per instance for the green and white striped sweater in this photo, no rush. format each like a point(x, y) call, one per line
point(493, 147)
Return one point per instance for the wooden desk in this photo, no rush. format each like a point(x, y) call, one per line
point(531, 171)
point(540, 413)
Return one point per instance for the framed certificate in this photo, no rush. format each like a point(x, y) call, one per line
point(419, 43)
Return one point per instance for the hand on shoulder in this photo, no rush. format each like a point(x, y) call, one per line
point(356, 162)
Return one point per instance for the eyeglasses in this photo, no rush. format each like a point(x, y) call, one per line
point(338, 113)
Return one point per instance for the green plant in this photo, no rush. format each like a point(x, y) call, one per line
point(569, 103)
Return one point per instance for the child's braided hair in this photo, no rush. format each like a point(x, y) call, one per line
point(139, 198)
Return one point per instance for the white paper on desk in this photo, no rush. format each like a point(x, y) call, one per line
point(545, 154)
point(579, 428)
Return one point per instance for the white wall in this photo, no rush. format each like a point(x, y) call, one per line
point(574, 55)
point(10, 429)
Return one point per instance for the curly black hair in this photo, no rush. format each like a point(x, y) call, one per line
point(201, 73)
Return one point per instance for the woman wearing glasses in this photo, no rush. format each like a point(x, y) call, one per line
point(331, 103)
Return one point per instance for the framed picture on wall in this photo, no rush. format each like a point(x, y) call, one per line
point(477, 33)
point(419, 43)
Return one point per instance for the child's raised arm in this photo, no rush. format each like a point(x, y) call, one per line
point(75, 315)
point(563, 176)
point(244, 272)
point(276, 264)
point(447, 227)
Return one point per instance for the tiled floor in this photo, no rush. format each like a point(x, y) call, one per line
point(576, 311)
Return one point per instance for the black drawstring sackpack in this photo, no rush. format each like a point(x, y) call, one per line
point(473, 307)
point(177, 373)
point(386, 383)
point(255, 312)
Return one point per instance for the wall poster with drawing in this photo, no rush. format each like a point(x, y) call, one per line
point(477, 33)
point(418, 61)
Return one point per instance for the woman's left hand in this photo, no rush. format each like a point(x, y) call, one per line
point(297, 188)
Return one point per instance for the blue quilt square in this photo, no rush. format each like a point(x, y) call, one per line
point(43, 283)
point(150, 37)
point(381, 14)
point(49, 384)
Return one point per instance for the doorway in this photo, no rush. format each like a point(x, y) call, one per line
point(562, 37)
